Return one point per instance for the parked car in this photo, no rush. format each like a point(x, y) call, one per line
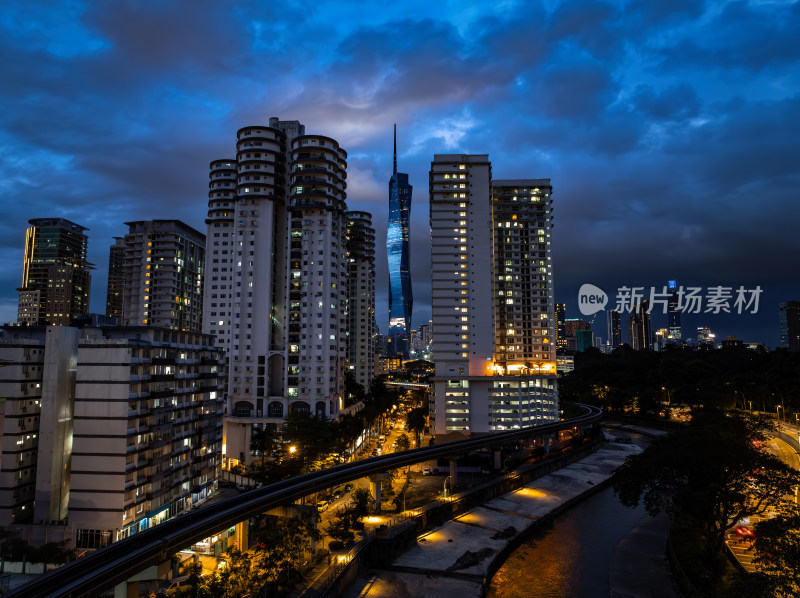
point(323, 506)
point(426, 471)
point(179, 584)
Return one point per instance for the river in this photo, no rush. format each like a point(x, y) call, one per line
point(571, 557)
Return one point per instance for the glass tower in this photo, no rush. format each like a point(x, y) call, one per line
point(400, 298)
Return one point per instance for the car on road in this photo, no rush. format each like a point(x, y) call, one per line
point(179, 584)
point(426, 471)
point(322, 506)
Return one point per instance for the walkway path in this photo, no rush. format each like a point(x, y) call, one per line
point(454, 559)
point(639, 567)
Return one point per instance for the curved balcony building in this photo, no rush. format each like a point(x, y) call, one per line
point(317, 306)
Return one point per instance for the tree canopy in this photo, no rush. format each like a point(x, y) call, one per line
point(712, 471)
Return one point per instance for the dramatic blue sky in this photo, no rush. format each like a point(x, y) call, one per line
point(670, 129)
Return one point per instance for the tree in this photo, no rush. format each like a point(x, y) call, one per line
point(353, 391)
point(360, 501)
point(403, 443)
point(311, 435)
point(281, 546)
point(264, 442)
point(710, 471)
point(416, 421)
point(778, 550)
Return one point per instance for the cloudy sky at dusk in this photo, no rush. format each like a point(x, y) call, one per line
point(669, 129)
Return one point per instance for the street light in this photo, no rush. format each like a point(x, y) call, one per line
point(293, 449)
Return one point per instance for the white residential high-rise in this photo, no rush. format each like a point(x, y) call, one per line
point(218, 288)
point(317, 276)
point(361, 297)
point(493, 322)
point(277, 278)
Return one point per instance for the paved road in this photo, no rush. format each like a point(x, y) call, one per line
point(741, 546)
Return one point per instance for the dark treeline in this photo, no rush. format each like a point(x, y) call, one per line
point(650, 383)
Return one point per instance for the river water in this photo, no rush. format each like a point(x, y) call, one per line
point(571, 557)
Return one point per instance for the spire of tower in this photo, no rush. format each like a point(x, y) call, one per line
point(395, 149)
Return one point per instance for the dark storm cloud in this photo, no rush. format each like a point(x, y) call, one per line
point(741, 35)
point(675, 102)
point(665, 127)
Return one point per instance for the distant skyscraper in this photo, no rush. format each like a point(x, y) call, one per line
point(573, 325)
point(55, 274)
point(492, 298)
point(585, 339)
point(674, 312)
point(789, 313)
point(164, 262)
point(397, 250)
point(647, 323)
point(614, 328)
point(705, 337)
point(561, 330)
point(361, 297)
point(116, 280)
point(640, 331)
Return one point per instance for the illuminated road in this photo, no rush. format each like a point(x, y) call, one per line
point(784, 451)
point(742, 547)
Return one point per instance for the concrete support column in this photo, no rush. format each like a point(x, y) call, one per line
point(375, 482)
point(547, 446)
point(127, 589)
point(242, 540)
point(498, 459)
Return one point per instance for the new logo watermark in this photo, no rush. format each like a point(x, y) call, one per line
point(690, 300)
point(591, 299)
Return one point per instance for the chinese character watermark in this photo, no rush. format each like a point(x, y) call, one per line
point(691, 300)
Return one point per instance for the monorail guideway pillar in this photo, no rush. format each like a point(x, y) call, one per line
point(375, 483)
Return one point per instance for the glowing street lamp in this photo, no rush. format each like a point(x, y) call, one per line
point(293, 449)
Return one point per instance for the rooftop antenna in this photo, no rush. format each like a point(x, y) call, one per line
point(395, 149)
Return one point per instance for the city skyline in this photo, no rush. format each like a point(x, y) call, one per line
point(662, 126)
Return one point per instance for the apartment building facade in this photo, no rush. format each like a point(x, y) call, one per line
point(107, 431)
point(493, 317)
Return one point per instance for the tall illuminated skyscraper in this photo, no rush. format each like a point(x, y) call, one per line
point(674, 312)
point(55, 274)
point(614, 328)
point(401, 300)
point(492, 303)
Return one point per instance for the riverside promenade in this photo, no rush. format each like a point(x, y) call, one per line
point(457, 558)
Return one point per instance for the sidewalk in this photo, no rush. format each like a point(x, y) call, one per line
point(639, 567)
point(455, 559)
